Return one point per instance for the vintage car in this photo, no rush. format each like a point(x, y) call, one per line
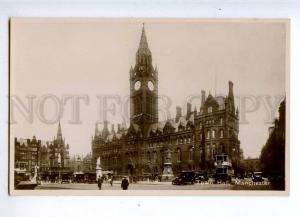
point(257, 177)
point(184, 178)
point(66, 178)
point(201, 176)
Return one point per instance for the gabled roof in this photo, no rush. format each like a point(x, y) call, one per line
point(220, 100)
point(182, 121)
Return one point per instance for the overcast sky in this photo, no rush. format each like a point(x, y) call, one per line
point(93, 57)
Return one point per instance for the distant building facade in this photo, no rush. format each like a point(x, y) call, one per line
point(251, 165)
point(50, 156)
point(81, 163)
point(27, 153)
point(189, 141)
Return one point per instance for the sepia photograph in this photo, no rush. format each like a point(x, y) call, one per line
point(148, 106)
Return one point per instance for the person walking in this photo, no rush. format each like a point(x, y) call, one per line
point(99, 181)
point(111, 181)
point(125, 183)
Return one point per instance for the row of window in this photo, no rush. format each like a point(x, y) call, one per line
point(185, 140)
point(179, 155)
point(182, 128)
point(211, 121)
point(211, 134)
point(210, 152)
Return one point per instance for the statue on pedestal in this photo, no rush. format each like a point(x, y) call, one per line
point(98, 168)
point(34, 178)
point(168, 172)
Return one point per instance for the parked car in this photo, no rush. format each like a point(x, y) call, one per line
point(201, 176)
point(65, 178)
point(184, 178)
point(257, 177)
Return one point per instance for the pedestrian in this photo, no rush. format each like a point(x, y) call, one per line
point(99, 181)
point(111, 181)
point(125, 183)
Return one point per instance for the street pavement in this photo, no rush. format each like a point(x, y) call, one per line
point(132, 186)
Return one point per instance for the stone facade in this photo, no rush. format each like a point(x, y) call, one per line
point(189, 140)
point(27, 153)
point(81, 163)
point(49, 156)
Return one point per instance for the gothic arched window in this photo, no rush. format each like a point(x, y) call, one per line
point(221, 133)
point(178, 155)
point(208, 135)
point(213, 134)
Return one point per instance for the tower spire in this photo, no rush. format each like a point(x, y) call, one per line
point(59, 133)
point(143, 54)
point(143, 41)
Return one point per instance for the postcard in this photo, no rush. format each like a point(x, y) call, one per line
point(119, 106)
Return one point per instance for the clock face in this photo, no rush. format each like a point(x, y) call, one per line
point(137, 85)
point(150, 85)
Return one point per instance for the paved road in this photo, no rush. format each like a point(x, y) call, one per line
point(137, 186)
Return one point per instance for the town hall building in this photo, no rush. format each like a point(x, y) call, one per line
point(152, 147)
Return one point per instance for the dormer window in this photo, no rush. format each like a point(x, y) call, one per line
point(209, 109)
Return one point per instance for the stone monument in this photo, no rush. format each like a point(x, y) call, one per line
point(168, 172)
point(98, 168)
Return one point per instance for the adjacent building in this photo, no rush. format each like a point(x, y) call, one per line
point(187, 142)
point(251, 165)
point(27, 154)
point(51, 157)
point(82, 164)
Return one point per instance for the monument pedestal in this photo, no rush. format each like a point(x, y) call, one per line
point(167, 175)
point(98, 168)
point(98, 172)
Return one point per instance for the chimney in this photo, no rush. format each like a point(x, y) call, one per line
point(203, 97)
point(188, 110)
point(105, 124)
point(230, 94)
point(112, 128)
point(231, 97)
point(96, 130)
point(178, 113)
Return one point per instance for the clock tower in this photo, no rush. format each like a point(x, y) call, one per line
point(143, 87)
